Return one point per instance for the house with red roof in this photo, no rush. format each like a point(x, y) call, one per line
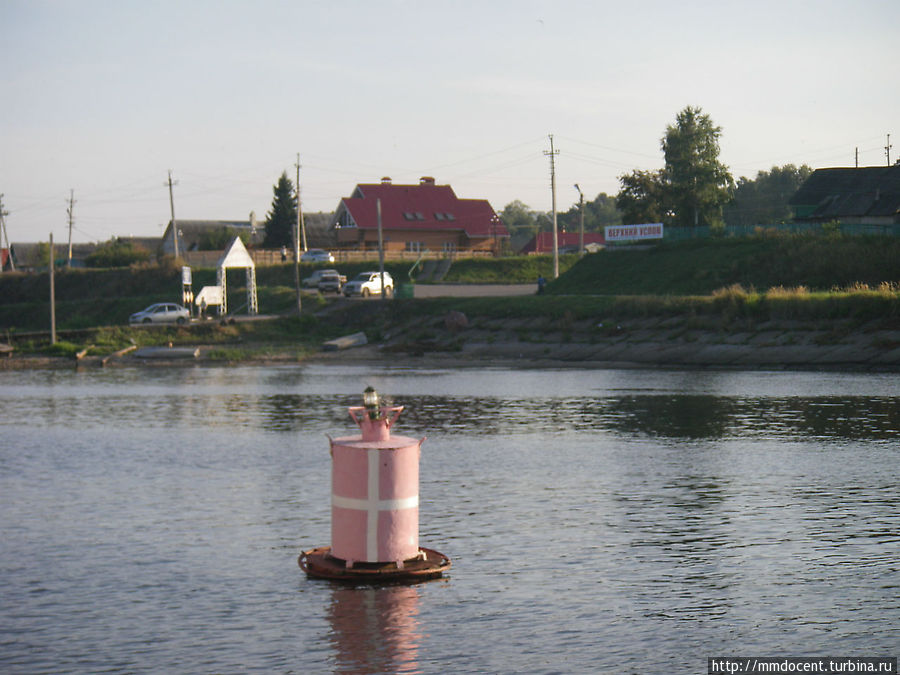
point(566, 242)
point(415, 218)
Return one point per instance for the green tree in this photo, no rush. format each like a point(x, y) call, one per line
point(218, 239)
point(642, 197)
point(521, 221)
point(598, 213)
point(43, 254)
point(117, 253)
point(282, 219)
point(764, 200)
point(697, 184)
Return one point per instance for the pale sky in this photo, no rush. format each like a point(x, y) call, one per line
point(104, 97)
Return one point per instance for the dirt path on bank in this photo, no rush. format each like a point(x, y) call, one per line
point(472, 290)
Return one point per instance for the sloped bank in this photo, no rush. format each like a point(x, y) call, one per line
point(838, 332)
point(675, 341)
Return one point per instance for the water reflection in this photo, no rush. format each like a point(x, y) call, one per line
point(286, 402)
point(672, 416)
point(375, 629)
point(676, 416)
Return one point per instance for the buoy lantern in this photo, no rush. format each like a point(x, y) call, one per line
point(374, 504)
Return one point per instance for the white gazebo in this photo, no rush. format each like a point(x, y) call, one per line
point(236, 256)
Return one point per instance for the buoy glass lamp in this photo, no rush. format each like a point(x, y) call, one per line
point(370, 403)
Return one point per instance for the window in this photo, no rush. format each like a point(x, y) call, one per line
point(408, 215)
point(449, 247)
point(415, 246)
point(419, 216)
point(438, 215)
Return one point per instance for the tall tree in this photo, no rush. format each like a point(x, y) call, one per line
point(764, 200)
point(282, 219)
point(697, 184)
point(521, 222)
point(219, 239)
point(642, 197)
point(598, 213)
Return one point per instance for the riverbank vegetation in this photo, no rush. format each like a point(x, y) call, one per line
point(721, 281)
point(292, 338)
point(767, 260)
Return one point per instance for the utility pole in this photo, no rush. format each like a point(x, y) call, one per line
point(52, 294)
point(172, 209)
point(71, 213)
point(887, 149)
point(581, 226)
point(295, 240)
point(3, 214)
point(380, 246)
point(300, 224)
point(552, 155)
point(857, 157)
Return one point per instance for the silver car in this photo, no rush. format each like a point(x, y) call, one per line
point(314, 255)
point(330, 282)
point(369, 283)
point(161, 312)
point(312, 281)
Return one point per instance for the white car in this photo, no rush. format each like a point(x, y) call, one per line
point(369, 283)
point(161, 312)
point(315, 255)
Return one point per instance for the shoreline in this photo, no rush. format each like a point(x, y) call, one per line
point(621, 355)
point(454, 340)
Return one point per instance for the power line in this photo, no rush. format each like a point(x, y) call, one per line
point(610, 149)
point(486, 155)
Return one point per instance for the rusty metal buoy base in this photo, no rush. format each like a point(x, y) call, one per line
point(320, 564)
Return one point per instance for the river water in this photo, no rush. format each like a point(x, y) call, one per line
point(598, 521)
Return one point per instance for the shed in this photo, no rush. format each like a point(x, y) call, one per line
point(865, 195)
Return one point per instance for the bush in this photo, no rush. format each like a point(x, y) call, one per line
point(62, 348)
point(117, 253)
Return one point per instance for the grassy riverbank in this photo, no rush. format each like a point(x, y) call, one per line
point(856, 326)
point(703, 266)
point(820, 285)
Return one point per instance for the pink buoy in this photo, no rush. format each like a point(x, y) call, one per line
point(374, 503)
point(375, 492)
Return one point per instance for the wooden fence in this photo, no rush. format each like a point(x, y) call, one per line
point(263, 257)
